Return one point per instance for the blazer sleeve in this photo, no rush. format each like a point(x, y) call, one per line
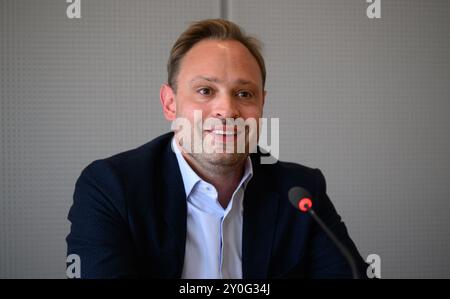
point(326, 260)
point(99, 232)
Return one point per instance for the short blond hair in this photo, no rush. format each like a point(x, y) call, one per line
point(215, 29)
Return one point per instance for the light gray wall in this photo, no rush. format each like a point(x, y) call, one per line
point(366, 101)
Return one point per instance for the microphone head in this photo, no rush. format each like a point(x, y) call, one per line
point(300, 198)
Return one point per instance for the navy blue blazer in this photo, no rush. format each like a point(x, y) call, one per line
point(128, 219)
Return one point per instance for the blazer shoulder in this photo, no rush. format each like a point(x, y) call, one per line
point(266, 162)
point(137, 161)
point(285, 169)
point(289, 174)
point(289, 167)
point(143, 155)
point(131, 168)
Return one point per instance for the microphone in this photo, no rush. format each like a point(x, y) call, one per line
point(300, 198)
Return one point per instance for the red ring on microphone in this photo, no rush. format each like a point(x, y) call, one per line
point(305, 204)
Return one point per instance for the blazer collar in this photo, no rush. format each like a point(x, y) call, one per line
point(259, 223)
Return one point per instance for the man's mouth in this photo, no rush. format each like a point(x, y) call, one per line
point(225, 135)
point(222, 132)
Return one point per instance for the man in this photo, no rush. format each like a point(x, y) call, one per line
point(165, 210)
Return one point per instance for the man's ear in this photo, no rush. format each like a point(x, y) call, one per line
point(264, 97)
point(167, 98)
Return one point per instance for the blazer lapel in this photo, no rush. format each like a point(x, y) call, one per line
point(259, 224)
point(175, 206)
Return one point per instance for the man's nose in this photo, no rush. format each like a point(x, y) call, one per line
point(226, 107)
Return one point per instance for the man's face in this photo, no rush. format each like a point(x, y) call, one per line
point(222, 80)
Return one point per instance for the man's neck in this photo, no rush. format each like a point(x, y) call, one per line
point(225, 179)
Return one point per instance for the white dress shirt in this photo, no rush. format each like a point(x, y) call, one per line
point(214, 234)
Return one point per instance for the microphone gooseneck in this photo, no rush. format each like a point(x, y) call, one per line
point(301, 199)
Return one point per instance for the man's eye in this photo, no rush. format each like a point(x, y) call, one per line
point(205, 91)
point(244, 94)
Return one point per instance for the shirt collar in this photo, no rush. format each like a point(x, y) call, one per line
point(191, 178)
